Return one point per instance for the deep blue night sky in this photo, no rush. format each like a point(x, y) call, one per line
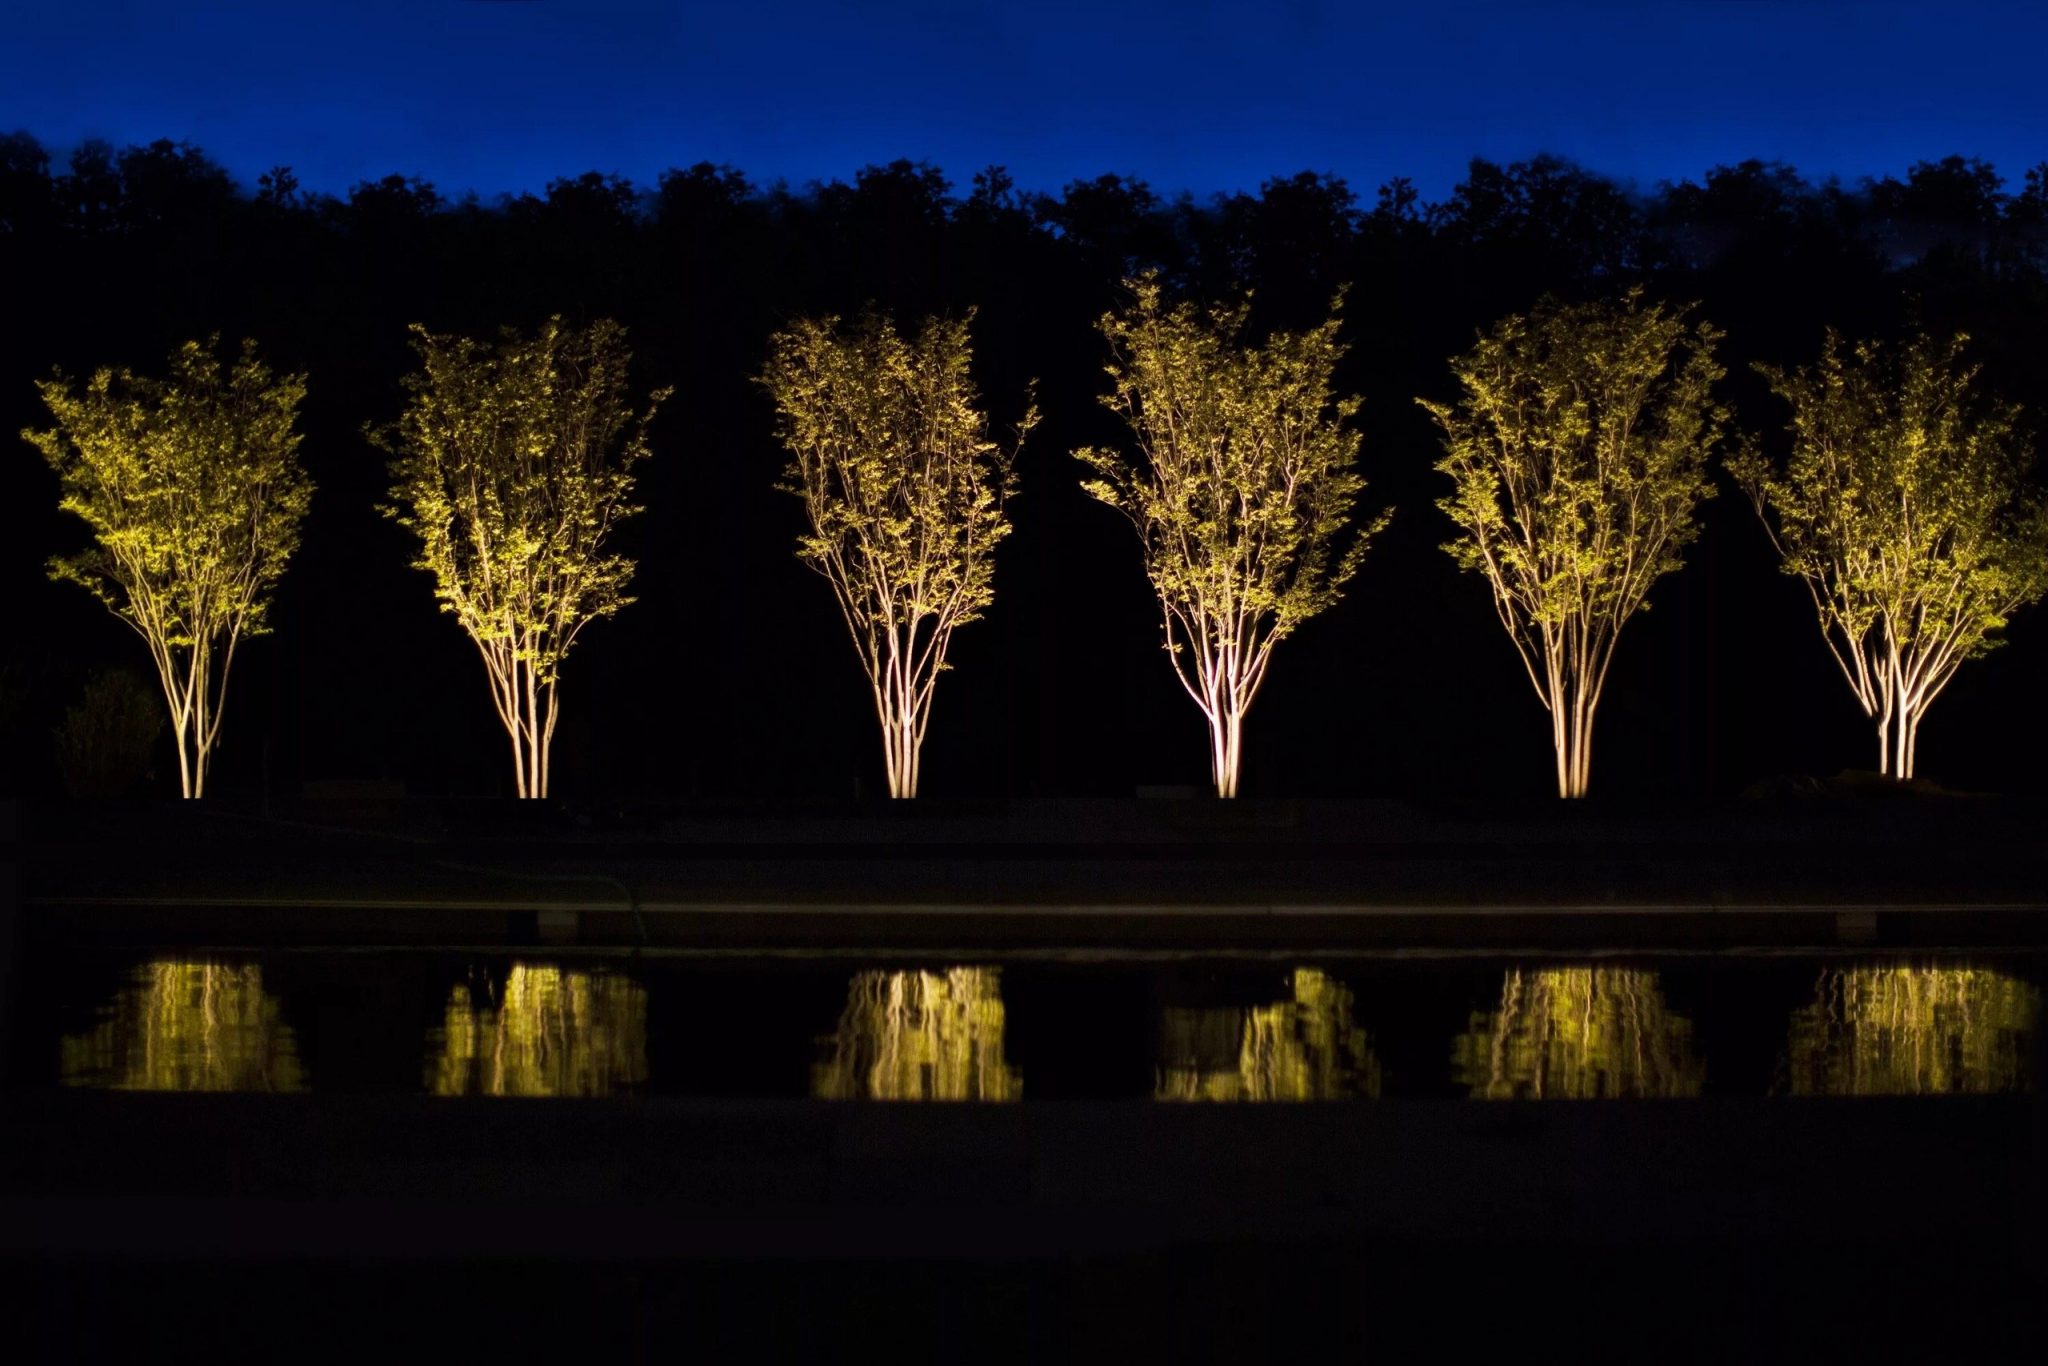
point(498, 95)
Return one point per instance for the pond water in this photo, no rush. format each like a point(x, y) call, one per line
point(1036, 1028)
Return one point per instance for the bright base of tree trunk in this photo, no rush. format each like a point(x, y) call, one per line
point(192, 762)
point(1226, 750)
point(1898, 742)
point(529, 759)
point(1571, 734)
point(190, 726)
point(526, 707)
point(902, 740)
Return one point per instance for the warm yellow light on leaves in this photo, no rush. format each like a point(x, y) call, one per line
point(552, 1032)
point(1579, 1034)
point(1305, 1048)
point(920, 1036)
point(1909, 1031)
point(188, 1026)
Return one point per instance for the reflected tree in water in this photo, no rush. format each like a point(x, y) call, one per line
point(920, 1036)
point(188, 1026)
point(1578, 1034)
point(548, 1033)
point(1904, 1031)
point(1304, 1048)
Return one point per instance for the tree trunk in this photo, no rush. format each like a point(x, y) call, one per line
point(899, 755)
point(1226, 749)
point(184, 758)
point(527, 712)
point(898, 712)
point(1560, 743)
point(518, 756)
point(1905, 721)
point(189, 732)
point(1572, 734)
point(1582, 766)
point(536, 776)
point(1898, 732)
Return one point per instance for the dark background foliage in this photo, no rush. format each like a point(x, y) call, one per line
point(731, 675)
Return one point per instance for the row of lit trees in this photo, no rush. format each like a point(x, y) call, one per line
point(511, 462)
point(1579, 446)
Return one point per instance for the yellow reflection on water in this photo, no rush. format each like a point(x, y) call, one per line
point(188, 1026)
point(920, 1036)
point(1578, 1034)
point(1305, 1048)
point(550, 1032)
point(1909, 1031)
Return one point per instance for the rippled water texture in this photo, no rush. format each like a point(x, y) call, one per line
point(494, 1026)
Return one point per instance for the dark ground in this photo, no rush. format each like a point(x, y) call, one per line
point(256, 1227)
point(1862, 868)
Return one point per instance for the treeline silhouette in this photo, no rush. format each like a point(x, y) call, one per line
point(731, 675)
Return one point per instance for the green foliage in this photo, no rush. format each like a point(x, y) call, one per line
point(1242, 490)
point(892, 458)
point(1904, 507)
point(512, 463)
point(1245, 483)
point(192, 487)
point(106, 739)
point(1578, 446)
point(904, 489)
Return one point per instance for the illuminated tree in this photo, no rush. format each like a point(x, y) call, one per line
point(1579, 446)
point(1579, 1034)
point(1905, 511)
point(904, 491)
point(1305, 1048)
point(920, 1036)
point(193, 490)
point(549, 1032)
point(1240, 494)
point(513, 462)
point(1912, 1030)
point(188, 1026)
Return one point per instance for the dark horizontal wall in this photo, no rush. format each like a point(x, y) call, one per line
point(731, 674)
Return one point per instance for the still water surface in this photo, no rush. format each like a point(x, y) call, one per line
point(1175, 1031)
